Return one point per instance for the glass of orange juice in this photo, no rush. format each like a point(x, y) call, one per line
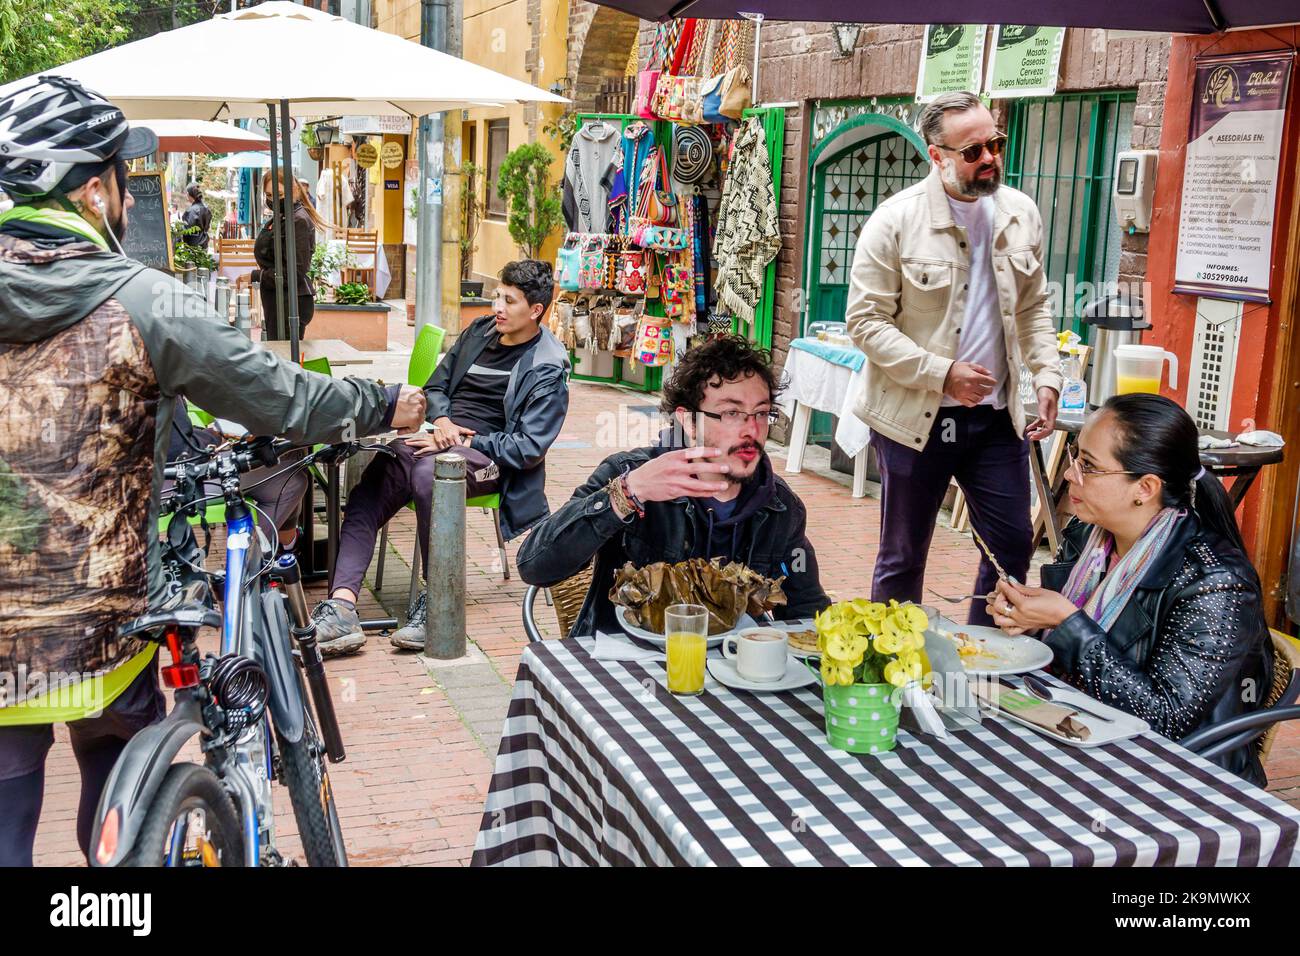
point(686, 628)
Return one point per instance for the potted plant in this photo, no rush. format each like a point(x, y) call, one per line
point(471, 215)
point(352, 293)
point(186, 257)
point(533, 200)
point(870, 651)
point(314, 148)
point(326, 260)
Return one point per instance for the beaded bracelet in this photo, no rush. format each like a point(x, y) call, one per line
point(620, 500)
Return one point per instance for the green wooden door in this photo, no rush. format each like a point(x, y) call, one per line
point(847, 188)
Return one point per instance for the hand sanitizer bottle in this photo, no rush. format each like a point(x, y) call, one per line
point(1074, 395)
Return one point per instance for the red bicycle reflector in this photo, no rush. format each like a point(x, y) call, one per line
point(180, 675)
point(108, 832)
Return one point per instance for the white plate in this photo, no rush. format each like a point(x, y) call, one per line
point(715, 640)
point(1121, 725)
point(1002, 655)
point(807, 625)
point(796, 675)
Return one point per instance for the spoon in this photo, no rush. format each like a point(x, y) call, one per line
point(1043, 691)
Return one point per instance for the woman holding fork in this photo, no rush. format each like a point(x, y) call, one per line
point(1152, 605)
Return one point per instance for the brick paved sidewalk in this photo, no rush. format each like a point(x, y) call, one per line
point(421, 742)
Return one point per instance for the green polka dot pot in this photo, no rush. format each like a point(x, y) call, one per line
point(861, 718)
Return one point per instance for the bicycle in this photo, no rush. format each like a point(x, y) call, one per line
point(248, 704)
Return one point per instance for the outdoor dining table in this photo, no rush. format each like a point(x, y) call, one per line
point(1242, 463)
point(600, 765)
point(824, 378)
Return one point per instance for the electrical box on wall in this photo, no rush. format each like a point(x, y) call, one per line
point(1135, 188)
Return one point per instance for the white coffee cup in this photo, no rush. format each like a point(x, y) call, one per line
point(760, 653)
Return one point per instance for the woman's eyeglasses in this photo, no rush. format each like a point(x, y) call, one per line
point(1085, 470)
point(736, 418)
point(974, 151)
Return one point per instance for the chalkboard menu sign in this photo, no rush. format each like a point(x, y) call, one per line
point(148, 231)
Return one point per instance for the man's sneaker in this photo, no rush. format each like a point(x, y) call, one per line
point(338, 629)
point(411, 637)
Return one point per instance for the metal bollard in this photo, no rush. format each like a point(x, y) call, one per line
point(243, 312)
point(444, 635)
point(222, 299)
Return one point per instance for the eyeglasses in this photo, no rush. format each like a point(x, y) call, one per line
point(735, 418)
point(974, 151)
point(1085, 471)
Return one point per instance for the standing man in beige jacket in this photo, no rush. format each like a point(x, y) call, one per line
point(947, 299)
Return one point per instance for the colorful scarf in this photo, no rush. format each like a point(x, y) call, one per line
point(1106, 602)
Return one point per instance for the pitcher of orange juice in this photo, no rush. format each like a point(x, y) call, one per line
point(1139, 368)
point(686, 628)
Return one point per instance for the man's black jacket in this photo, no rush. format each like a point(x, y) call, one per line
point(766, 532)
point(1190, 648)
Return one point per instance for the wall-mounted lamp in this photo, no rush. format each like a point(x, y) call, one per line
point(846, 37)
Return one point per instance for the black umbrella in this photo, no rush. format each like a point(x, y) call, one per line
point(1171, 16)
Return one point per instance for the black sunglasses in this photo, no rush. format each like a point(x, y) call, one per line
point(974, 151)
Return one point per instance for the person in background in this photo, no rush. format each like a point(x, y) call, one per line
point(948, 298)
point(1152, 606)
point(306, 220)
point(198, 216)
point(668, 503)
point(498, 399)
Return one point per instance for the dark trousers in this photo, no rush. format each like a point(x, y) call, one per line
point(979, 447)
point(387, 486)
point(97, 742)
point(306, 309)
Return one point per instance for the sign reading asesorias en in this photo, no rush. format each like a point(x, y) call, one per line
point(1225, 227)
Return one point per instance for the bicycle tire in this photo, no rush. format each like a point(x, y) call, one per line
point(303, 772)
point(188, 786)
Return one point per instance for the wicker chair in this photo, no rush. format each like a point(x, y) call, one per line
point(1260, 725)
point(567, 596)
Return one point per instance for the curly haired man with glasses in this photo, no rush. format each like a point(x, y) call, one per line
point(706, 490)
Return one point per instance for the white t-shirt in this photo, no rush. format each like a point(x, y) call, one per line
point(981, 341)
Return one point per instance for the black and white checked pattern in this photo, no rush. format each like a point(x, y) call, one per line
point(599, 764)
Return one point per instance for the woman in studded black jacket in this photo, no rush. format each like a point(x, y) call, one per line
point(1152, 605)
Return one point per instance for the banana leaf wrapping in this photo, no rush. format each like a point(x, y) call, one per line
point(726, 590)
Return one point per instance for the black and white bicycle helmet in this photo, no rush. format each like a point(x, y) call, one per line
point(54, 125)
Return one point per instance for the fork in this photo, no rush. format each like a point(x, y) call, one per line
point(959, 600)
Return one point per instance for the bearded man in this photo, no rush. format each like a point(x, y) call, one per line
point(948, 299)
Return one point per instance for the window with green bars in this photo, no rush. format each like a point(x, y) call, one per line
point(1062, 153)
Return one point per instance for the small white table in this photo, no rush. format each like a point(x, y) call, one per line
point(814, 384)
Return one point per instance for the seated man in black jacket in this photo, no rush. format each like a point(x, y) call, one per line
point(498, 399)
point(720, 498)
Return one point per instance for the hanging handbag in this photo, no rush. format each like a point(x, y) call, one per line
point(679, 99)
point(654, 341)
point(614, 246)
point(676, 292)
point(725, 97)
point(567, 264)
point(591, 265)
point(632, 272)
point(647, 82)
point(582, 327)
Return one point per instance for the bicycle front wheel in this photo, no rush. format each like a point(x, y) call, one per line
point(191, 822)
point(302, 767)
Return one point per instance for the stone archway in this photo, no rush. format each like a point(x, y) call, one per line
point(600, 40)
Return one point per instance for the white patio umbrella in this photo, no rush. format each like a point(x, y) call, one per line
point(243, 161)
point(305, 62)
point(202, 136)
point(235, 64)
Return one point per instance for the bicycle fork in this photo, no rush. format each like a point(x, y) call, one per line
point(289, 575)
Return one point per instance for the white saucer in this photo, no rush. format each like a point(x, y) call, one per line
point(796, 675)
point(715, 640)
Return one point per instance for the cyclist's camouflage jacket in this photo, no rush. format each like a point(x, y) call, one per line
point(94, 349)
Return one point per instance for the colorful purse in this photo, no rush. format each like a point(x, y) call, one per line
point(676, 291)
point(678, 99)
point(567, 263)
point(632, 272)
point(647, 83)
point(654, 341)
point(591, 262)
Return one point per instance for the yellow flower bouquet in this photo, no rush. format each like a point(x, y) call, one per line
point(869, 650)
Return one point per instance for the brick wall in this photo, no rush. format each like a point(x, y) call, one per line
point(599, 41)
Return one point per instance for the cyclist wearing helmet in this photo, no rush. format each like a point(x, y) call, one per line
point(95, 350)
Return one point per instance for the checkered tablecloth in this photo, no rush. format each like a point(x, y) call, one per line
point(599, 764)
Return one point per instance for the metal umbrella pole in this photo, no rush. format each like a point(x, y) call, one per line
point(271, 323)
point(290, 282)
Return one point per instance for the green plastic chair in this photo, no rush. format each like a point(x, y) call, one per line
point(425, 354)
point(424, 359)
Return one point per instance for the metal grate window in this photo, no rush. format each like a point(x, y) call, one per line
point(1062, 153)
